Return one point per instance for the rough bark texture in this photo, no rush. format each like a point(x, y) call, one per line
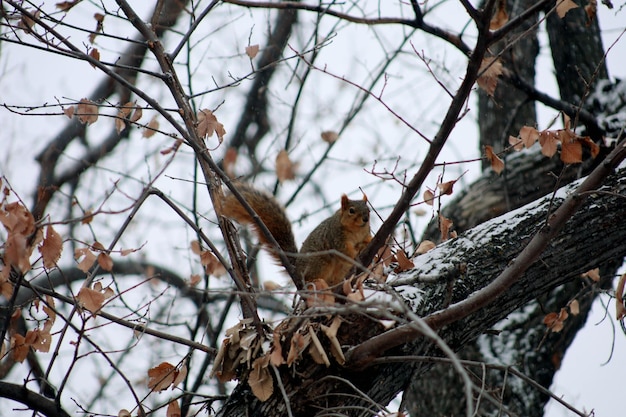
point(509, 109)
point(485, 251)
point(577, 54)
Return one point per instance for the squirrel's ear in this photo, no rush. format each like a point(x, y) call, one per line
point(364, 197)
point(344, 202)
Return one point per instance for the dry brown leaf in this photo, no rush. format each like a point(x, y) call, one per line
point(69, 111)
point(17, 252)
point(285, 168)
point(554, 321)
point(500, 18)
point(424, 247)
point(195, 247)
point(26, 23)
point(445, 225)
point(87, 111)
point(51, 248)
point(137, 113)
point(95, 54)
point(497, 164)
point(105, 261)
point(39, 340)
point(151, 128)
point(161, 376)
point(316, 350)
point(87, 256)
point(19, 347)
point(548, 141)
point(122, 116)
point(87, 217)
point(194, 280)
point(99, 17)
point(574, 307)
point(65, 6)
point(181, 374)
point(299, 343)
point(490, 70)
point(516, 143)
point(571, 148)
point(91, 300)
point(208, 124)
point(98, 246)
point(252, 51)
point(330, 136)
point(260, 379)
point(276, 352)
point(429, 197)
point(404, 263)
point(446, 188)
point(529, 135)
point(564, 6)
point(173, 409)
point(17, 219)
point(335, 346)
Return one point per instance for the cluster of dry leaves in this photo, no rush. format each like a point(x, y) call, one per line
point(241, 355)
point(22, 238)
point(570, 143)
point(38, 339)
point(555, 321)
point(23, 235)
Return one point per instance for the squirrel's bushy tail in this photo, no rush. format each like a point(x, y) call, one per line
point(270, 212)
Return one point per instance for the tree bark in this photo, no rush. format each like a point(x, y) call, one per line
point(509, 109)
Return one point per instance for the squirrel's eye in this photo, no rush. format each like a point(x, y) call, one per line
point(351, 210)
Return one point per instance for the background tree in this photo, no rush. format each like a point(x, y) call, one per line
point(117, 201)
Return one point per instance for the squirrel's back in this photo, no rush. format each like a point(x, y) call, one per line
point(327, 253)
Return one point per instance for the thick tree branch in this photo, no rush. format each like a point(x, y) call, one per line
point(32, 400)
point(516, 268)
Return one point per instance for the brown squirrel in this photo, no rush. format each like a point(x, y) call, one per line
point(347, 231)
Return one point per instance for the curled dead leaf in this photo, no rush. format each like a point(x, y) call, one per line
point(497, 164)
point(91, 300)
point(285, 168)
point(429, 197)
point(424, 247)
point(554, 321)
point(260, 379)
point(87, 111)
point(252, 51)
point(330, 136)
point(490, 70)
point(161, 376)
point(51, 248)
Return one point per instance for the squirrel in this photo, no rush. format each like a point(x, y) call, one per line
point(347, 231)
